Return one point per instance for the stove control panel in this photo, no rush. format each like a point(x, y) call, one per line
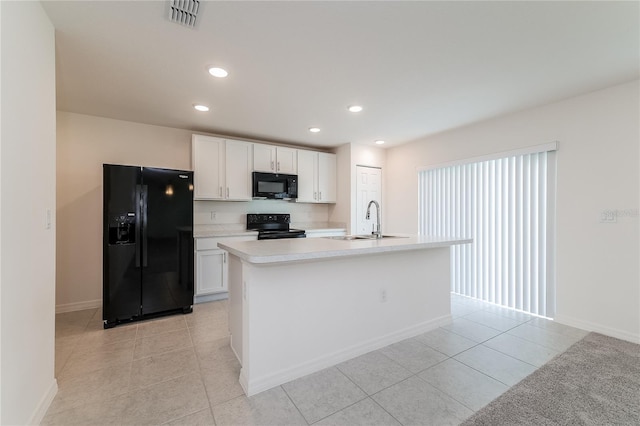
point(266, 218)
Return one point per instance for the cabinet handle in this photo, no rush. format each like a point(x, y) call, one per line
point(224, 257)
point(315, 195)
point(320, 196)
point(220, 191)
point(272, 165)
point(227, 192)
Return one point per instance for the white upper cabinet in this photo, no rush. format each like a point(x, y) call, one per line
point(286, 160)
point(307, 176)
point(316, 177)
point(264, 158)
point(207, 161)
point(221, 168)
point(238, 170)
point(274, 159)
point(327, 185)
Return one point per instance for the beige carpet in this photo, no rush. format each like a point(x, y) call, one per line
point(594, 382)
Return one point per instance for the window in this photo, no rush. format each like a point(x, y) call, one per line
point(507, 205)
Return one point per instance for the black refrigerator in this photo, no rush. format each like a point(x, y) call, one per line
point(147, 243)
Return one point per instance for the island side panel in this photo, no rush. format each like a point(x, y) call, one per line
point(235, 305)
point(301, 317)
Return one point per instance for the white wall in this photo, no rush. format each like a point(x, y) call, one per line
point(598, 134)
point(84, 143)
point(28, 190)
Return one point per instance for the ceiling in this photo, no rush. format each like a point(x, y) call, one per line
point(417, 68)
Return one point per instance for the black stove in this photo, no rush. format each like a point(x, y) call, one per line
point(272, 226)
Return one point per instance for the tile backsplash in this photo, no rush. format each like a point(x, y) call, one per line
point(235, 212)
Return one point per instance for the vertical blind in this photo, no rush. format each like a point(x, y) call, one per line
point(507, 206)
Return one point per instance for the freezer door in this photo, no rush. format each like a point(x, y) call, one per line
point(167, 240)
point(121, 270)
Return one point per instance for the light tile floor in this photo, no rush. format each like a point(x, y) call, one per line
point(180, 370)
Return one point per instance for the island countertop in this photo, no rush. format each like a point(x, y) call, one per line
point(300, 249)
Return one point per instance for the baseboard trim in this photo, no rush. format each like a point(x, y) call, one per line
point(210, 297)
point(43, 405)
point(260, 384)
point(97, 303)
point(598, 328)
point(78, 306)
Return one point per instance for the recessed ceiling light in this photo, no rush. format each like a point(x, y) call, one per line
point(218, 72)
point(355, 108)
point(314, 129)
point(379, 142)
point(202, 108)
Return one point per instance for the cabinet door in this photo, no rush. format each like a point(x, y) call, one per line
point(238, 166)
point(307, 176)
point(211, 271)
point(207, 161)
point(327, 191)
point(264, 158)
point(287, 160)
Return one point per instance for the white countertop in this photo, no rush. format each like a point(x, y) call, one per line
point(238, 229)
point(319, 226)
point(215, 231)
point(296, 249)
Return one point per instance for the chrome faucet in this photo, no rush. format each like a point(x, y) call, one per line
point(377, 231)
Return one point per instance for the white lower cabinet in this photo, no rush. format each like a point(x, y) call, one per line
point(211, 274)
point(211, 266)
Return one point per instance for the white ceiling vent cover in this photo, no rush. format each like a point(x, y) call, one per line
point(184, 11)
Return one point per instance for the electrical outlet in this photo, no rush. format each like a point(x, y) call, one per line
point(383, 295)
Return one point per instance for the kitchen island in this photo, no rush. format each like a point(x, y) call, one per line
point(297, 306)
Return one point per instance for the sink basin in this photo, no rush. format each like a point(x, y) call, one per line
point(362, 237)
point(350, 237)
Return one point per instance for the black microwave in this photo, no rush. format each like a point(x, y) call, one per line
point(275, 186)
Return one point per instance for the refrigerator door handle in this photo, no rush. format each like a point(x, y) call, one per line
point(137, 229)
point(143, 203)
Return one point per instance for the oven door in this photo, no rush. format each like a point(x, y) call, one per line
point(276, 235)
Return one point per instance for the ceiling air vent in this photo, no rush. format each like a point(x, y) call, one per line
point(184, 11)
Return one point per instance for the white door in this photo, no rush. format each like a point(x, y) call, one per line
point(368, 187)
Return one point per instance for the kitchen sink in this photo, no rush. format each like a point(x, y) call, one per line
point(350, 237)
point(363, 237)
